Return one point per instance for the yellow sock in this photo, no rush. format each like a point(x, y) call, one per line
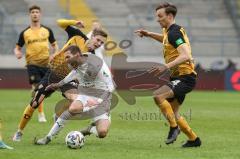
point(185, 128)
point(27, 114)
point(40, 107)
point(168, 113)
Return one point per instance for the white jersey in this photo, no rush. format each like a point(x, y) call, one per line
point(94, 74)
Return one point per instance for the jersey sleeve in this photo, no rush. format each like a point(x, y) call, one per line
point(71, 31)
point(64, 23)
point(21, 41)
point(175, 38)
point(51, 37)
point(71, 76)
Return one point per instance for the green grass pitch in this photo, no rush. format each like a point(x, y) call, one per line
point(136, 132)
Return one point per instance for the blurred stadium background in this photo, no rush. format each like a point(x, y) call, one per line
point(212, 25)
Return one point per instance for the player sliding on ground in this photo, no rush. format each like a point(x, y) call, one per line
point(64, 104)
point(59, 68)
point(178, 58)
point(94, 93)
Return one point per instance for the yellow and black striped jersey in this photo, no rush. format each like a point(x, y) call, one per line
point(75, 37)
point(172, 38)
point(36, 41)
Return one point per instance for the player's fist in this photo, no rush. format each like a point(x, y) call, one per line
point(96, 25)
point(18, 54)
point(142, 32)
point(80, 24)
point(51, 57)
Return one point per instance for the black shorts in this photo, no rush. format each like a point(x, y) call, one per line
point(36, 73)
point(68, 86)
point(49, 78)
point(181, 86)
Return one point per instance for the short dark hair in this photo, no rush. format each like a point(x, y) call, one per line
point(169, 8)
point(99, 32)
point(34, 7)
point(73, 49)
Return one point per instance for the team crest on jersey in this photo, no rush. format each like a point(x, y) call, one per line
point(105, 74)
point(42, 34)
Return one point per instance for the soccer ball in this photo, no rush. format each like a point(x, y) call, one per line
point(75, 140)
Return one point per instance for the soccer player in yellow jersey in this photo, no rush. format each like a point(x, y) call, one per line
point(36, 39)
point(59, 68)
point(178, 58)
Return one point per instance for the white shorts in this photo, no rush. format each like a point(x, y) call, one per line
point(105, 116)
point(89, 100)
point(100, 108)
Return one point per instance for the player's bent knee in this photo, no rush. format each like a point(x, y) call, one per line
point(70, 96)
point(102, 133)
point(177, 117)
point(34, 104)
point(158, 99)
point(74, 108)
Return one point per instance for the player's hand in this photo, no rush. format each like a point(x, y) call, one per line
point(141, 32)
point(18, 55)
point(51, 58)
point(52, 86)
point(157, 70)
point(80, 24)
point(96, 25)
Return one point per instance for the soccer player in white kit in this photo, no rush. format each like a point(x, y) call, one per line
point(94, 93)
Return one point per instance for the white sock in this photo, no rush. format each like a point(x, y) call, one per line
point(57, 127)
point(59, 124)
point(55, 117)
point(93, 130)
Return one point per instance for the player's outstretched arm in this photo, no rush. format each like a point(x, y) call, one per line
point(54, 51)
point(70, 77)
point(53, 86)
point(145, 33)
point(184, 55)
point(71, 31)
point(64, 23)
